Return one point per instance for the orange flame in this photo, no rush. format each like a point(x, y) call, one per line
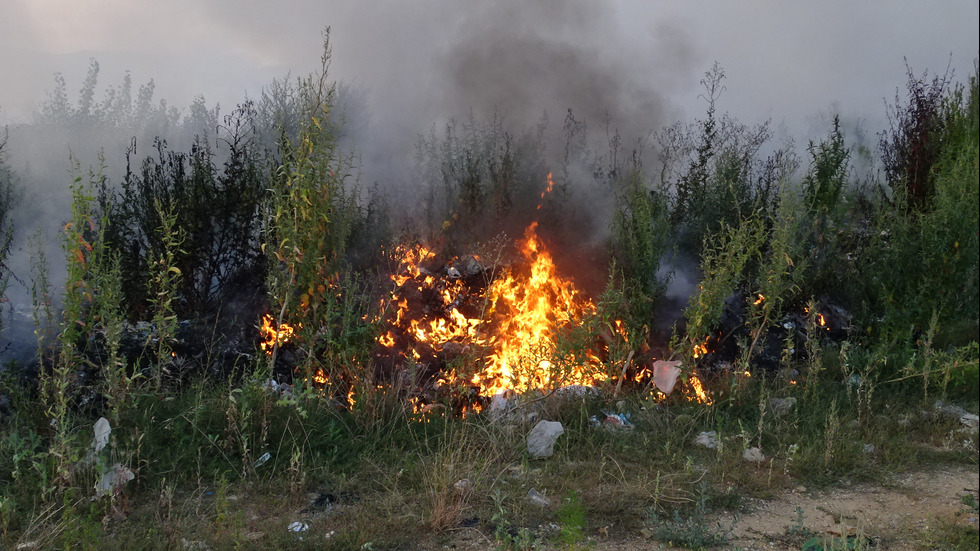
point(530, 310)
point(699, 394)
point(272, 336)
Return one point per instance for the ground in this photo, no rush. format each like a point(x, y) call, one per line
point(901, 514)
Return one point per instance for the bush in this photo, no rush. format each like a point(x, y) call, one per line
point(218, 211)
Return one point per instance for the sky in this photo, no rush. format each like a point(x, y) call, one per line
point(422, 61)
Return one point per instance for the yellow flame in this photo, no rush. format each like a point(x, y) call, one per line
point(699, 394)
point(272, 336)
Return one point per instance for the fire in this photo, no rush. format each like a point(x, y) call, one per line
point(271, 336)
point(529, 311)
point(483, 331)
point(701, 349)
point(551, 186)
point(699, 394)
point(759, 298)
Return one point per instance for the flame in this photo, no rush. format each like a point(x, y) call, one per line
point(547, 190)
point(530, 310)
point(699, 394)
point(701, 349)
point(759, 298)
point(320, 377)
point(271, 336)
point(822, 320)
point(510, 336)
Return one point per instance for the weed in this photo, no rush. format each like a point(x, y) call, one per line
point(692, 531)
point(571, 518)
point(505, 535)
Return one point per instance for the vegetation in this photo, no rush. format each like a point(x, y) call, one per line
point(858, 299)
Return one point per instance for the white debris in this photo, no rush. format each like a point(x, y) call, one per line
point(112, 480)
point(102, 431)
point(665, 375)
point(541, 440)
point(463, 485)
point(708, 439)
point(753, 455)
point(262, 460)
point(537, 498)
point(298, 527)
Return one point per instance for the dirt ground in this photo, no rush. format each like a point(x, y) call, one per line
point(896, 515)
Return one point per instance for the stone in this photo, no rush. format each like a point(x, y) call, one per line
point(781, 406)
point(967, 419)
point(541, 440)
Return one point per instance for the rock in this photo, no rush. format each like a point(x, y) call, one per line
point(708, 439)
point(969, 420)
point(541, 440)
point(781, 406)
point(869, 448)
point(665, 375)
point(537, 498)
point(753, 455)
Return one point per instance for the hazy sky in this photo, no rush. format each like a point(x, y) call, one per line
point(422, 60)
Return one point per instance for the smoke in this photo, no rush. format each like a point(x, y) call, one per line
point(525, 59)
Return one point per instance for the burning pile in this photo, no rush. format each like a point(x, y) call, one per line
point(461, 325)
point(463, 331)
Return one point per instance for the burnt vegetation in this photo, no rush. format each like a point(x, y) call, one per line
point(200, 227)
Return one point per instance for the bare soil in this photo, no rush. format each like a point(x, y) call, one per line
point(900, 514)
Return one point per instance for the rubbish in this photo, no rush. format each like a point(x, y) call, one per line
point(537, 498)
point(753, 455)
point(665, 375)
point(781, 406)
point(275, 387)
point(298, 527)
point(261, 460)
point(113, 479)
point(102, 430)
point(541, 440)
point(463, 485)
point(708, 439)
point(617, 421)
point(869, 448)
point(500, 404)
point(577, 391)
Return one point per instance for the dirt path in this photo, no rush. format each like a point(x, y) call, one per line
point(894, 516)
point(898, 515)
